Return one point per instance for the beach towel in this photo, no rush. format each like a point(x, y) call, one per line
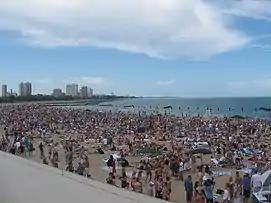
point(247, 170)
point(130, 174)
point(95, 154)
point(217, 196)
point(221, 173)
point(216, 163)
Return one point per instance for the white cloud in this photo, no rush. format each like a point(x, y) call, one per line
point(264, 47)
point(262, 83)
point(85, 80)
point(257, 9)
point(159, 28)
point(166, 82)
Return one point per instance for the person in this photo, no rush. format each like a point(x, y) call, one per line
point(200, 198)
point(230, 186)
point(110, 180)
point(246, 188)
point(238, 184)
point(256, 182)
point(227, 195)
point(159, 188)
point(150, 188)
point(188, 185)
point(124, 183)
point(208, 189)
point(41, 150)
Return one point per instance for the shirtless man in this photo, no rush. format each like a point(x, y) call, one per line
point(238, 184)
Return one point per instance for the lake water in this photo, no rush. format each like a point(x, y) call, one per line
point(217, 106)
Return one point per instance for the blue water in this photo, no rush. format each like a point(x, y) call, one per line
point(220, 106)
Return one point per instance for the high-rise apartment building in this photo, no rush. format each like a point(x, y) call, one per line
point(28, 89)
point(25, 89)
point(57, 93)
point(84, 92)
point(22, 89)
point(90, 92)
point(72, 90)
point(4, 90)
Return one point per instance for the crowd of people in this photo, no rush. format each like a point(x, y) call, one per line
point(172, 141)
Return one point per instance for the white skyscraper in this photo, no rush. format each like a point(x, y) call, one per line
point(72, 90)
point(4, 90)
point(22, 89)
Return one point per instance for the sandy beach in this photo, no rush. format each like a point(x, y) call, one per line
point(99, 171)
point(64, 131)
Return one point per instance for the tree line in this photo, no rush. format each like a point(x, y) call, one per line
point(40, 97)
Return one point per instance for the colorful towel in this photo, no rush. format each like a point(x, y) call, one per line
point(217, 196)
point(95, 154)
point(221, 173)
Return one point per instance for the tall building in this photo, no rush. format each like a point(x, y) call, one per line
point(4, 90)
point(22, 89)
point(25, 89)
point(72, 90)
point(90, 92)
point(84, 92)
point(28, 88)
point(57, 92)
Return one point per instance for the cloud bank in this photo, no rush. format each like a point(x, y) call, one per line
point(87, 80)
point(195, 29)
point(166, 82)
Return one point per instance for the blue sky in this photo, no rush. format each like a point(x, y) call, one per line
point(186, 48)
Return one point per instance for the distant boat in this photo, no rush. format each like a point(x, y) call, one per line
point(168, 107)
point(129, 106)
point(238, 117)
point(265, 109)
point(108, 105)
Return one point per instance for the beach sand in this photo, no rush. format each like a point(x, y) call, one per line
point(99, 171)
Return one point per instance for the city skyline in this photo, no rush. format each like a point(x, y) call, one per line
point(197, 48)
point(25, 89)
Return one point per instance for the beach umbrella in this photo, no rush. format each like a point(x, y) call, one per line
point(201, 151)
point(149, 151)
